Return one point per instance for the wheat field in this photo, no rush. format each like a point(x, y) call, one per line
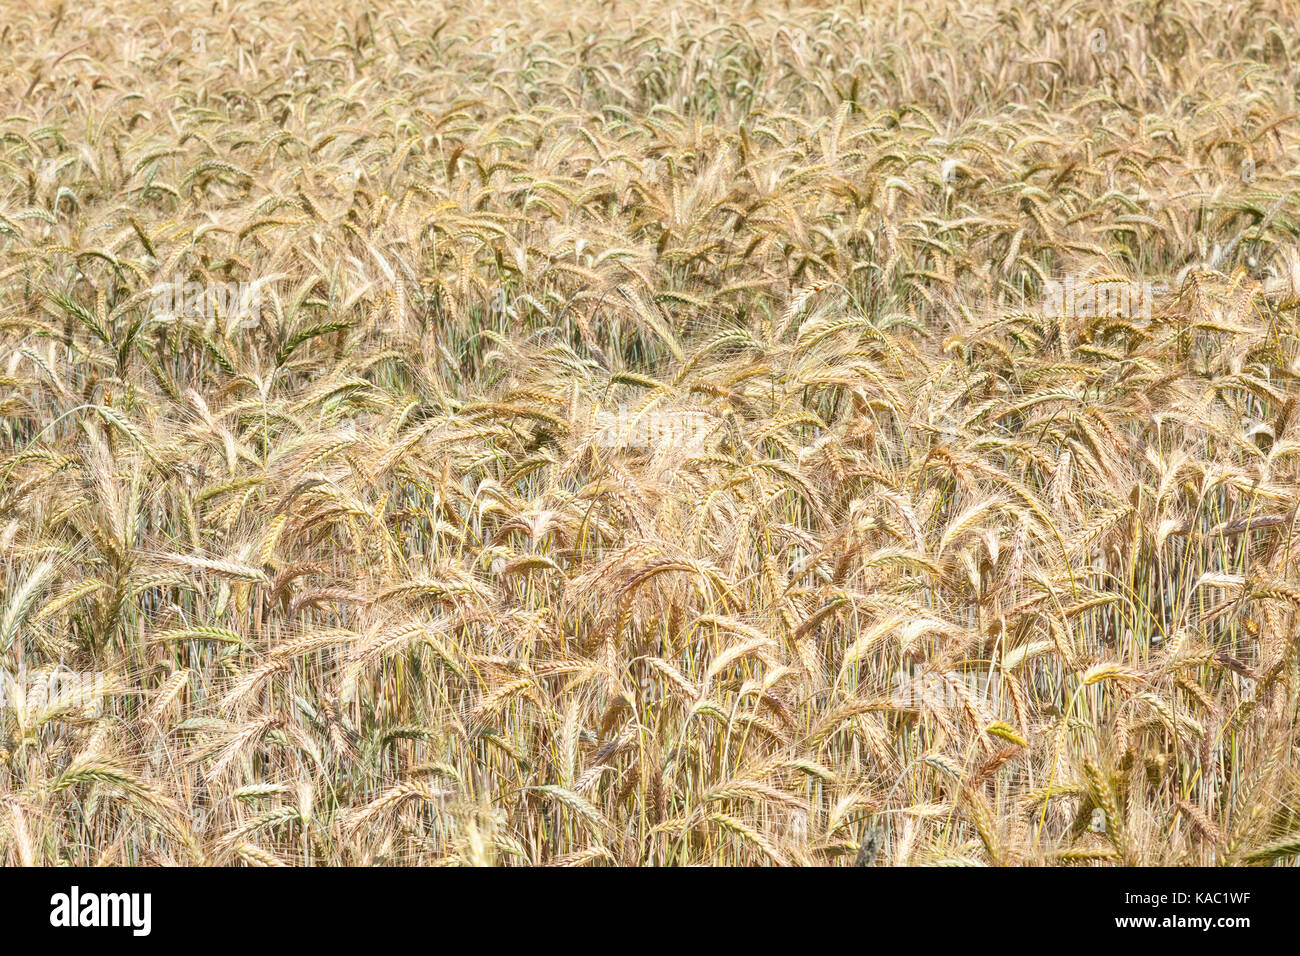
point(649, 433)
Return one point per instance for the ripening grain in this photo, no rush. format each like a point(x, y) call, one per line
point(649, 433)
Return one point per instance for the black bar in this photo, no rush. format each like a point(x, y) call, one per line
point(305, 906)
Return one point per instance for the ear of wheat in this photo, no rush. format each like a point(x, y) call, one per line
point(621, 433)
